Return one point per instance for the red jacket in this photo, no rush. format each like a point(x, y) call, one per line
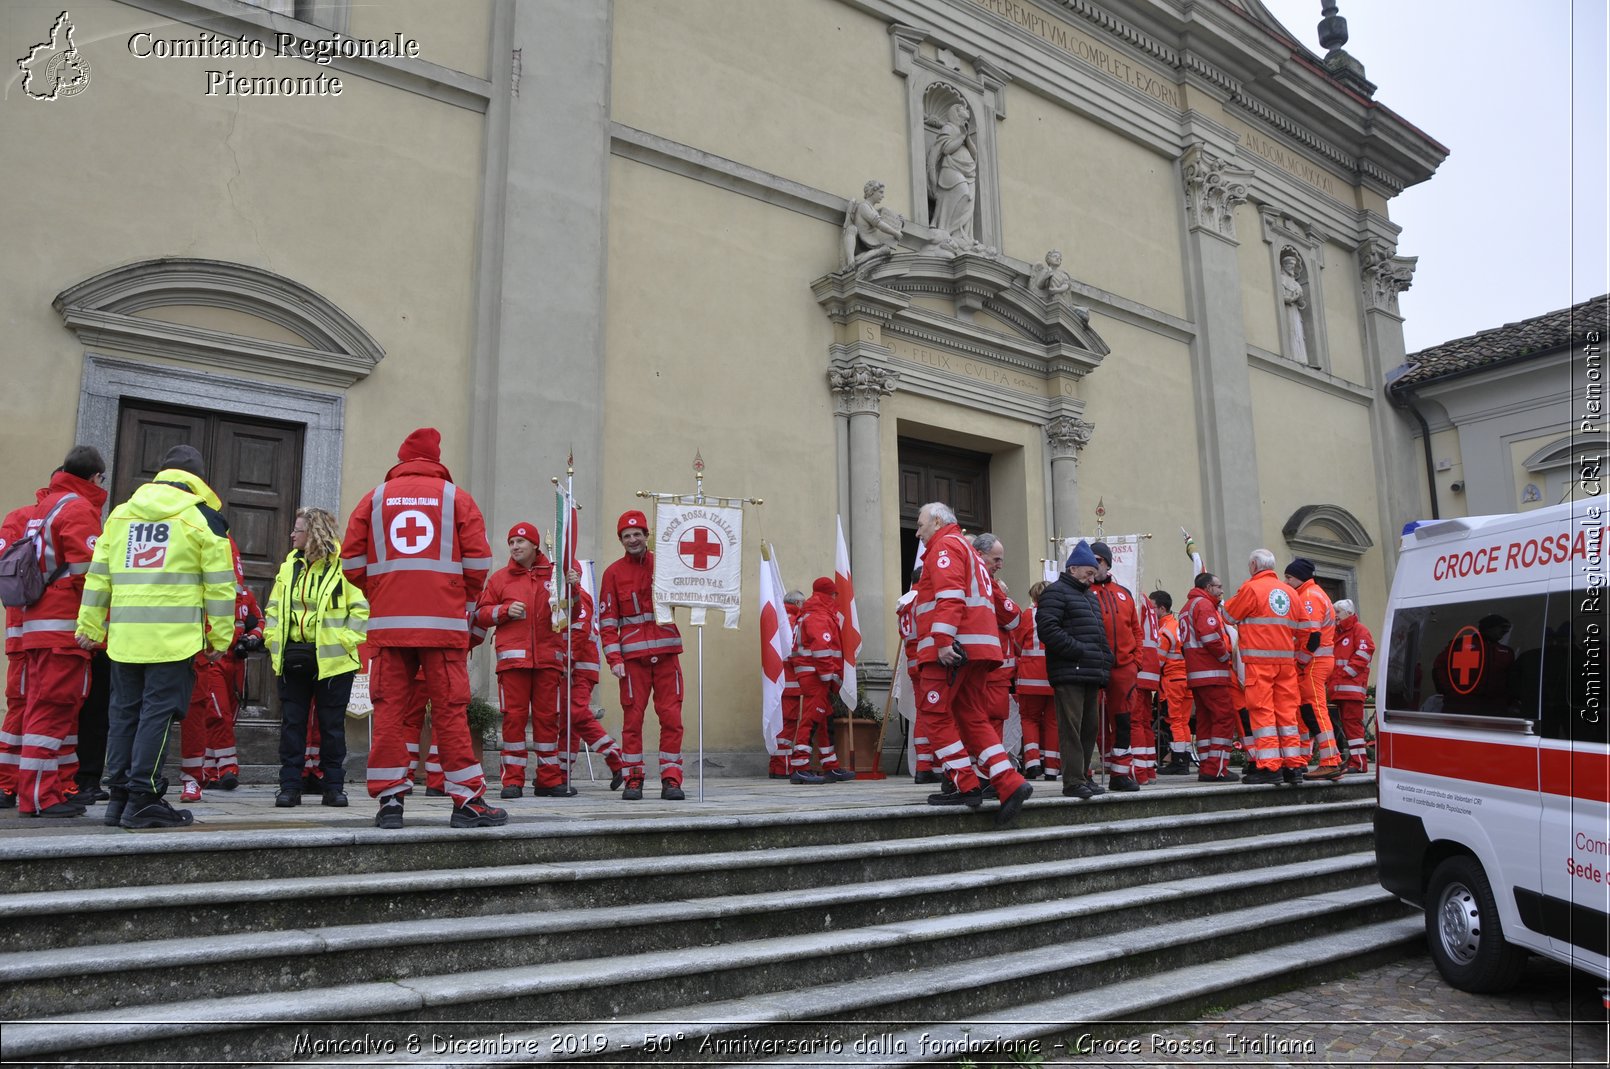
point(626, 613)
point(584, 658)
point(1208, 660)
point(1031, 677)
point(416, 546)
point(1355, 647)
point(790, 667)
point(1151, 656)
point(530, 642)
point(820, 654)
point(50, 622)
point(955, 601)
point(13, 527)
point(1122, 621)
point(1009, 618)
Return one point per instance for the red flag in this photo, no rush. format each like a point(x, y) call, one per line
point(849, 620)
point(776, 643)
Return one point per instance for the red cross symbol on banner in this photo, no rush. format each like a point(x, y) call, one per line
point(700, 549)
point(1465, 656)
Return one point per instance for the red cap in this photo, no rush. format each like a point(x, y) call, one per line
point(824, 585)
point(527, 531)
point(423, 444)
point(631, 518)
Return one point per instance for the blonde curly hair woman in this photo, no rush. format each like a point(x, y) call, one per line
point(315, 622)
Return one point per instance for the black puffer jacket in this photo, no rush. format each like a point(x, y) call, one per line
point(1068, 619)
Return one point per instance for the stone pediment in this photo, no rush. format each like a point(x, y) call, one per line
point(993, 314)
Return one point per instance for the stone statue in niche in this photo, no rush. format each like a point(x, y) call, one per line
point(952, 163)
point(1295, 299)
point(871, 231)
point(1049, 278)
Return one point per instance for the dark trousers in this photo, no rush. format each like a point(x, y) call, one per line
point(146, 700)
point(329, 700)
point(92, 723)
point(1076, 728)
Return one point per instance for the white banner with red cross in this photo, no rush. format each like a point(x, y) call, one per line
point(698, 558)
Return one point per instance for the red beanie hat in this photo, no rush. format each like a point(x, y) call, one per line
point(824, 585)
point(423, 444)
point(631, 518)
point(527, 531)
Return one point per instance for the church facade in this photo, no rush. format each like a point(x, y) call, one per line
point(1029, 257)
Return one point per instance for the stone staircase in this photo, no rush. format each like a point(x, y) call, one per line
point(884, 933)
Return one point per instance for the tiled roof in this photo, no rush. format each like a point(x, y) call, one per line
point(1510, 343)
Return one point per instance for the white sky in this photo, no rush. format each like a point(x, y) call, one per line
point(1513, 224)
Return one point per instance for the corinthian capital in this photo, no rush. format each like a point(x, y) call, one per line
point(860, 387)
point(1384, 274)
point(1067, 436)
point(1213, 189)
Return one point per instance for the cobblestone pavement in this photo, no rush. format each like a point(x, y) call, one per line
point(1397, 1014)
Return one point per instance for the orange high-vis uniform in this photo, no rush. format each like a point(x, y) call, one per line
point(1265, 610)
point(1314, 609)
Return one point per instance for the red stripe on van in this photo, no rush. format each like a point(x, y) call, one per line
point(1582, 774)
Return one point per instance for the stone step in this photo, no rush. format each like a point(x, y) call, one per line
point(344, 842)
point(217, 965)
point(225, 907)
point(886, 966)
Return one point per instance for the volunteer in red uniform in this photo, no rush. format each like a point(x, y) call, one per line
point(820, 661)
point(416, 546)
point(13, 527)
point(66, 516)
point(645, 656)
point(583, 726)
point(1036, 708)
point(1315, 662)
point(518, 601)
point(781, 762)
point(1142, 722)
point(1009, 619)
point(1209, 665)
point(1265, 612)
point(222, 764)
point(1355, 648)
point(958, 643)
point(924, 768)
point(1121, 619)
point(1176, 692)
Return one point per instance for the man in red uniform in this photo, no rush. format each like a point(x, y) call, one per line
point(780, 765)
point(1122, 620)
point(958, 643)
point(645, 656)
point(1176, 691)
point(1209, 673)
point(416, 546)
point(1265, 612)
point(1315, 661)
point(1035, 706)
point(1009, 619)
point(820, 665)
point(1142, 714)
point(1355, 648)
point(13, 527)
point(66, 518)
point(518, 601)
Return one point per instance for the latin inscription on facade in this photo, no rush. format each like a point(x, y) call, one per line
point(1297, 166)
point(1062, 35)
point(966, 366)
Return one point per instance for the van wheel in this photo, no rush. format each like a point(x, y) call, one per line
point(1462, 927)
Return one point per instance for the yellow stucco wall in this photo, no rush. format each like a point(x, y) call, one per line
point(1110, 205)
point(822, 115)
point(369, 198)
point(1260, 304)
point(1343, 295)
point(453, 36)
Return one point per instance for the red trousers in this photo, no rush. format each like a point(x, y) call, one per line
point(1216, 728)
point(1142, 736)
point(11, 727)
point(661, 678)
point(922, 746)
point(585, 728)
point(531, 694)
point(1116, 723)
point(780, 763)
point(1271, 687)
point(1351, 714)
point(969, 728)
point(1038, 714)
point(209, 704)
point(814, 705)
point(54, 689)
point(399, 717)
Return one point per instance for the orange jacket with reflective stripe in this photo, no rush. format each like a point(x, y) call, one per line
point(1314, 609)
point(1266, 616)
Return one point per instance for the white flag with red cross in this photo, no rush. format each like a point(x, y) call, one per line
point(698, 558)
point(776, 644)
point(849, 621)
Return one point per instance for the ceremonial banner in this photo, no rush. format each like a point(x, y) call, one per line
point(849, 622)
point(698, 559)
point(1126, 567)
point(776, 644)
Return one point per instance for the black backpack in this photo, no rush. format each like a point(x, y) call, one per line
point(21, 583)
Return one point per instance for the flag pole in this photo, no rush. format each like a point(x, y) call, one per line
point(697, 619)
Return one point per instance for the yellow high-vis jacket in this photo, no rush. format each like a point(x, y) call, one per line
point(164, 571)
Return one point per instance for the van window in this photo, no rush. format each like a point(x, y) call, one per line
point(1570, 677)
point(1464, 658)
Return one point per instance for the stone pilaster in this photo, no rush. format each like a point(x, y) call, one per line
point(1399, 470)
point(1213, 190)
point(1067, 436)
point(858, 392)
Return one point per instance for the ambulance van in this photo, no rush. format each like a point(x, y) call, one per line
point(1493, 756)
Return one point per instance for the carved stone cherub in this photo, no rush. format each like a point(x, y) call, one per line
point(871, 232)
point(1049, 277)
